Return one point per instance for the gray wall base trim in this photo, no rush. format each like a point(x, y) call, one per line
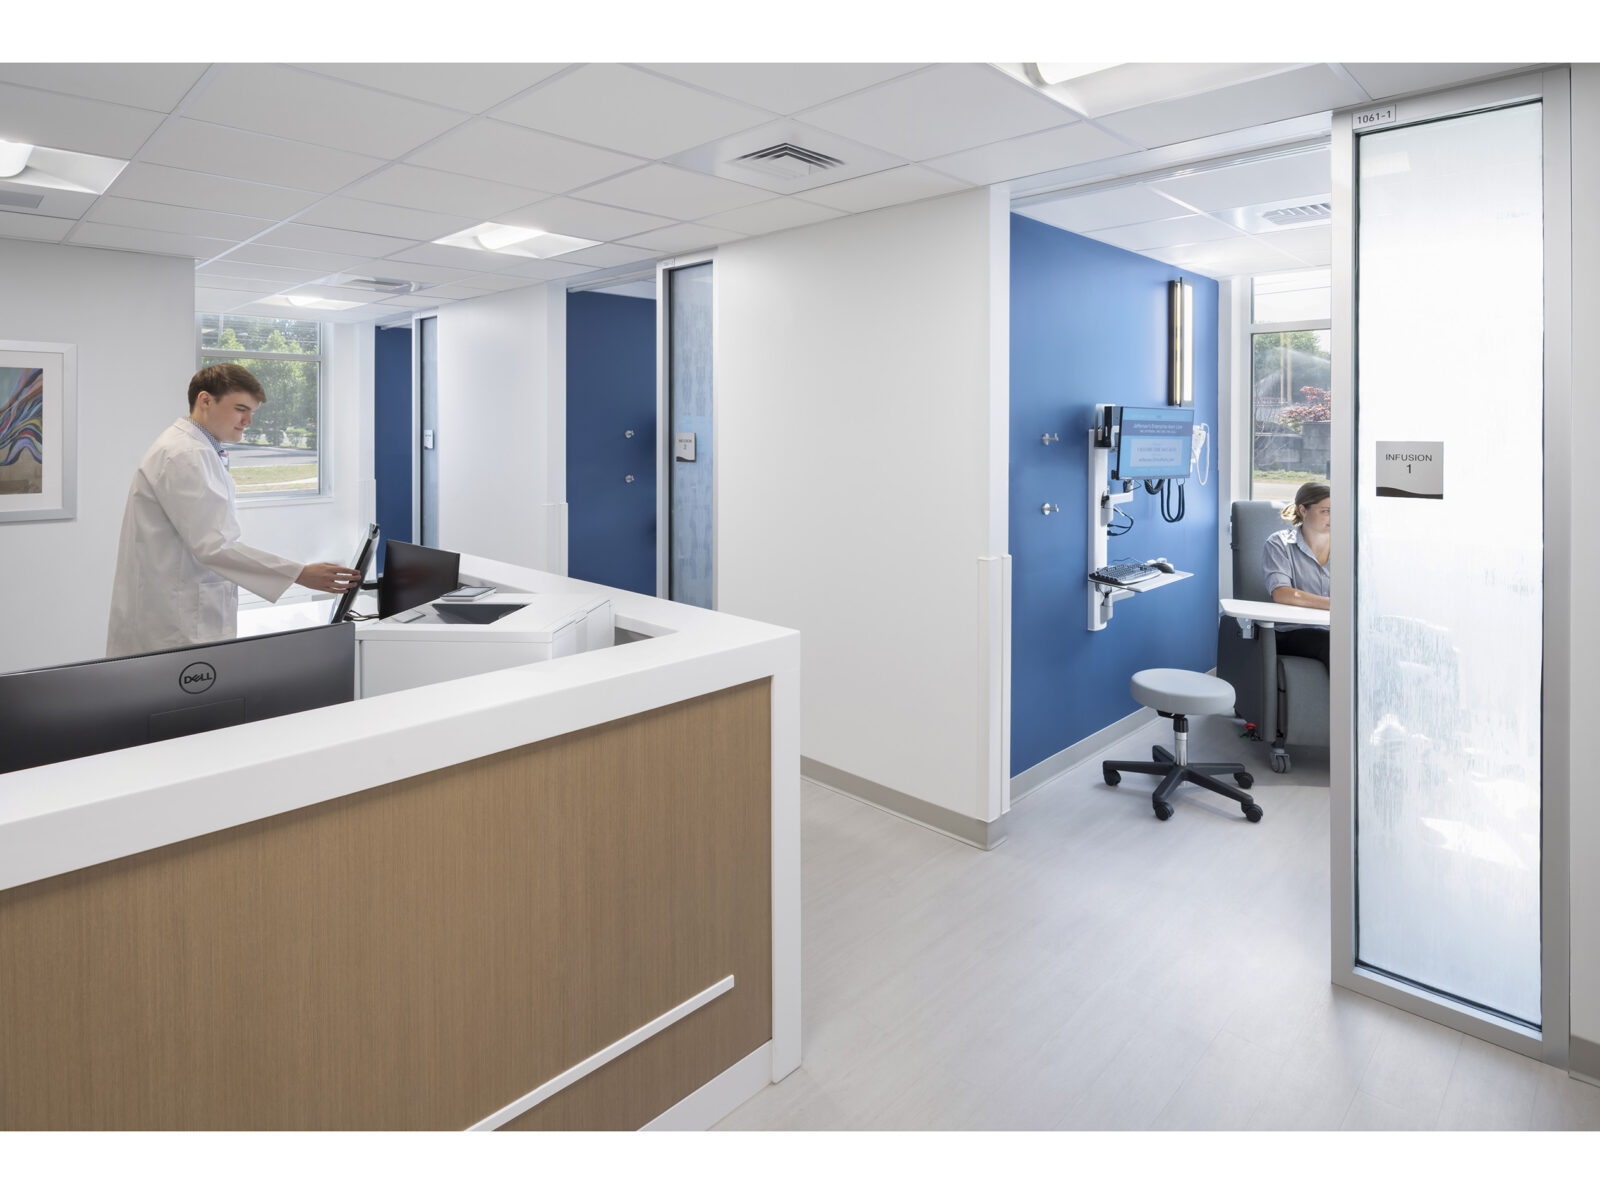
point(986, 835)
point(1042, 772)
point(1583, 1059)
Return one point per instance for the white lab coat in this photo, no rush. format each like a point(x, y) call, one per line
point(179, 557)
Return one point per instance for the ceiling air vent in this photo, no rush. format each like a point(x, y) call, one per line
point(385, 285)
point(787, 160)
point(20, 199)
point(1308, 213)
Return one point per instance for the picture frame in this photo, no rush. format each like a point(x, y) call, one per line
point(38, 431)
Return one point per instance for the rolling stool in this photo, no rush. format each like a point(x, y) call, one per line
point(1177, 694)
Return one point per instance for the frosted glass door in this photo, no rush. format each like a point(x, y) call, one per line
point(693, 537)
point(1449, 591)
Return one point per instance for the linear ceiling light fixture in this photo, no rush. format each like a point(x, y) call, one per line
point(57, 169)
point(13, 158)
point(518, 242)
point(310, 301)
point(1096, 89)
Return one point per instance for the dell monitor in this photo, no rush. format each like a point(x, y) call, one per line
point(1151, 443)
point(341, 608)
point(78, 709)
point(414, 575)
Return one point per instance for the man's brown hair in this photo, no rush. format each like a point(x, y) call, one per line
point(225, 378)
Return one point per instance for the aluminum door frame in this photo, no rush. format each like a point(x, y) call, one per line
point(664, 441)
point(1553, 88)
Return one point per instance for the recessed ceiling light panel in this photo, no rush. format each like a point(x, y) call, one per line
point(518, 242)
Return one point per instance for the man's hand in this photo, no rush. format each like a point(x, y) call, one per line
point(328, 578)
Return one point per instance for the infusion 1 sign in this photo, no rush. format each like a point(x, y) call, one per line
point(1410, 468)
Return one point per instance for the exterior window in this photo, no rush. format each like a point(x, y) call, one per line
point(1291, 399)
point(281, 455)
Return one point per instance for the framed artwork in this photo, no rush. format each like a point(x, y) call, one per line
point(38, 431)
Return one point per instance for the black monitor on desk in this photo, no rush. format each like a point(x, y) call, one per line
point(79, 709)
point(347, 599)
point(414, 575)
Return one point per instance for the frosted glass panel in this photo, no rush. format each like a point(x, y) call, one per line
point(1449, 635)
point(693, 543)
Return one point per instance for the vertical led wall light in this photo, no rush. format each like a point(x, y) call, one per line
point(1180, 343)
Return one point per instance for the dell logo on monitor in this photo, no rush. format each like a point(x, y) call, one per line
point(197, 677)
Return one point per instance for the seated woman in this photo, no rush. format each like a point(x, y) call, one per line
point(1296, 564)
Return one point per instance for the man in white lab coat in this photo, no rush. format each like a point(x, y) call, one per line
point(179, 559)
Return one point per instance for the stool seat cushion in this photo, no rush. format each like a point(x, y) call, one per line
point(1173, 690)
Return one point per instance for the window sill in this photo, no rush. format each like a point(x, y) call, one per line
point(266, 502)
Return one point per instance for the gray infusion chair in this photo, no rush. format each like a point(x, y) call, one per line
point(1286, 698)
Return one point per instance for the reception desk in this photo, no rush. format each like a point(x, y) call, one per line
point(558, 895)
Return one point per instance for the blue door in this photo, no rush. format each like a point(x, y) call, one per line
point(391, 434)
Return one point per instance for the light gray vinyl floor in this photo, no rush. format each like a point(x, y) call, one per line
point(1102, 969)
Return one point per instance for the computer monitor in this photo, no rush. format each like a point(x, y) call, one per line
point(80, 709)
point(341, 608)
point(1151, 443)
point(413, 575)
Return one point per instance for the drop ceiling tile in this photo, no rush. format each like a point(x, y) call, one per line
point(606, 256)
point(301, 259)
point(773, 215)
point(383, 219)
point(335, 240)
point(438, 190)
point(69, 122)
point(783, 87)
point(233, 153)
point(1298, 92)
point(464, 86)
point(629, 110)
point(284, 102)
point(255, 286)
point(590, 221)
point(494, 282)
point(26, 227)
point(415, 302)
point(341, 294)
point(155, 86)
point(408, 271)
point(1036, 153)
point(1112, 208)
point(279, 276)
point(545, 271)
point(508, 153)
point(1184, 230)
point(940, 111)
point(1265, 181)
point(1383, 79)
point(1313, 245)
point(168, 217)
point(903, 184)
point(145, 240)
point(1227, 258)
point(678, 194)
point(680, 238)
point(62, 205)
point(185, 188)
point(458, 290)
point(218, 301)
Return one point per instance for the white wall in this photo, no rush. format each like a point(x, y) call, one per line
point(501, 471)
point(330, 527)
point(132, 318)
point(862, 413)
point(1585, 645)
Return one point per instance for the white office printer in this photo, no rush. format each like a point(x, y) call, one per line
point(408, 650)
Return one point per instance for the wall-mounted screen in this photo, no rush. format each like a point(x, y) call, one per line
point(1151, 442)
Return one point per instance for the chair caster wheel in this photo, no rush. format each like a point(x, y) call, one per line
point(1113, 778)
point(1280, 763)
point(1252, 812)
point(1243, 778)
point(1164, 810)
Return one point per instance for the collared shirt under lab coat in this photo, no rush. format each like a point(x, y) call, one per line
point(179, 557)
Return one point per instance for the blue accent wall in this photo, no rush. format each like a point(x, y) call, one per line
point(1089, 326)
point(391, 434)
point(611, 388)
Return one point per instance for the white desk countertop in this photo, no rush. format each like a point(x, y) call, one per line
point(1268, 613)
point(80, 812)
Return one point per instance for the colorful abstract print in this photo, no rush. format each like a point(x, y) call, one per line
point(21, 415)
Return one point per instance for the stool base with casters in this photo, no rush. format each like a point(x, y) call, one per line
point(1164, 689)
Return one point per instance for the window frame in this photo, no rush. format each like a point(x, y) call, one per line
point(1252, 329)
point(205, 356)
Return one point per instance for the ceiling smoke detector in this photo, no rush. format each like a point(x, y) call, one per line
point(1306, 213)
point(787, 160)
